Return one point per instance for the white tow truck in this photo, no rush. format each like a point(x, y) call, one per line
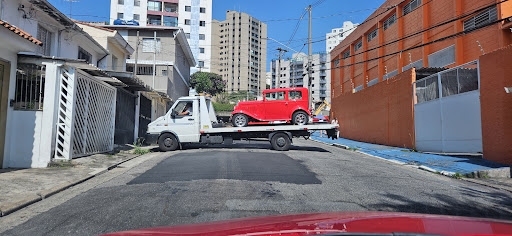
point(200, 126)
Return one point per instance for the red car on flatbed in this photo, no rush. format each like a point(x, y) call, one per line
point(282, 104)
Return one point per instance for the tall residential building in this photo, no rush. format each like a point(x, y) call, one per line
point(293, 73)
point(239, 54)
point(194, 16)
point(339, 34)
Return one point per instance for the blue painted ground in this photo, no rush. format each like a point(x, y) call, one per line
point(437, 162)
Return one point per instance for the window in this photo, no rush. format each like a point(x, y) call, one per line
point(114, 63)
point(188, 8)
point(145, 70)
point(84, 55)
point(201, 64)
point(346, 54)
point(202, 23)
point(120, 15)
point(170, 7)
point(187, 22)
point(170, 21)
point(136, 16)
point(372, 35)
point(201, 50)
point(148, 45)
point(337, 62)
point(187, 35)
point(154, 6)
point(202, 10)
point(164, 73)
point(120, 2)
point(202, 37)
point(358, 45)
point(389, 21)
point(274, 96)
point(44, 36)
point(154, 20)
point(294, 95)
point(409, 7)
point(136, 3)
point(482, 19)
point(29, 93)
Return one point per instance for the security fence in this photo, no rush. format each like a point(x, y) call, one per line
point(461, 79)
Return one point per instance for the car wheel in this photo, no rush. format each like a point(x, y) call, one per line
point(281, 142)
point(300, 118)
point(167, 142)
point(240, 120)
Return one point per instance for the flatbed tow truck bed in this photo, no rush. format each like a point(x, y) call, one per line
point(172, 130)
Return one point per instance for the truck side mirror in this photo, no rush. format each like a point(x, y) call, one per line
point(173, 116)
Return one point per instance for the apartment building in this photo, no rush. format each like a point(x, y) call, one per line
point(338, 34)
point(193, 16)
point(240, 52)
point(293, 73)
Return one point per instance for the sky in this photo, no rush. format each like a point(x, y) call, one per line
point(268, 11)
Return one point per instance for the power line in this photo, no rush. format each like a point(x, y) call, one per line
point(461, 16)
point(425, 44)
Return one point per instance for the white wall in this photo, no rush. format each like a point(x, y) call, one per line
point(450, 124)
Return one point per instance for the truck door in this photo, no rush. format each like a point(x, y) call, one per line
point(185, 121)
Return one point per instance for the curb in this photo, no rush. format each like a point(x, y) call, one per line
point(8, 209)
point(425, 168)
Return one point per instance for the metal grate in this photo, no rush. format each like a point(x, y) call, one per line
point(372, 35)
point(358, 45)
point(29, 87)
point(443, 57)
point(346, 54)
point(453, 81)
point(486, 17)
point(95, 116)
point(86, 115)
point(409, 7)
point(389, 21)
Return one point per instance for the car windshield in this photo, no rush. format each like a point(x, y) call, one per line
point(262, 117)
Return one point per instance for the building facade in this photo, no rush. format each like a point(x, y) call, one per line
point(193, 16)
point(337, 35)
point(293, 73)
point(163, 64)
point(240, 52)
point(424, 75)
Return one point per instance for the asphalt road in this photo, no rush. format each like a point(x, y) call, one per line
point(202, 184)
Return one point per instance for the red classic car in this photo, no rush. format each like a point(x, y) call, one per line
point(283, 104)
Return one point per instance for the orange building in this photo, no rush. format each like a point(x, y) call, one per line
point(405, 34)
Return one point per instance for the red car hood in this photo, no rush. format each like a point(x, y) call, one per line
point(340, 222)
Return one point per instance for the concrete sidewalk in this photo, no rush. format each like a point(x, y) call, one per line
point(22, 187)
point(447, 165)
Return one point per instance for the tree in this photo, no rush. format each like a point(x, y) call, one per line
point(204, 82)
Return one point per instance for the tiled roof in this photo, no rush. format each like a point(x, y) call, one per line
point(95, 26)
point(20, 32)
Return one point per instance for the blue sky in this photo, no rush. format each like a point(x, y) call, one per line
point(264, 10)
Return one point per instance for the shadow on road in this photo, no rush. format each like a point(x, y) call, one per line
point(467, 205)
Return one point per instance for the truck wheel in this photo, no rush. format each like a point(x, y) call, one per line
point(281, 142)
point(167, 142)
point(240, 120)
point(300, 118)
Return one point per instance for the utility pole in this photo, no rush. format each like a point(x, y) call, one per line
point(136, 54)
point(310, 58)
point(154, 58)
point(280, 53)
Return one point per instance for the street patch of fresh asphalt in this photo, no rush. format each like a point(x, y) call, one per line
point(273, 167)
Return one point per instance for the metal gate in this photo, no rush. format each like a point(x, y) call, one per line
point(447, 115)
point(86, 115)
point(125, 117)
point(144, 116)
